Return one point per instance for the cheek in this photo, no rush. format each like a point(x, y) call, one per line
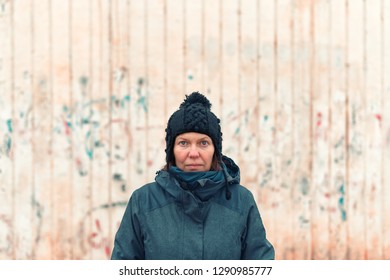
point(209, 156)
point(179, 155)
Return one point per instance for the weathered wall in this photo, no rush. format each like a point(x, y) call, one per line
point(301, 87)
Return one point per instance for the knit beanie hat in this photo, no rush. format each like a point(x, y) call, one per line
point(193, 115)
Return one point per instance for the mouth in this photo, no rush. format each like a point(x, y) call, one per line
point(194, 166)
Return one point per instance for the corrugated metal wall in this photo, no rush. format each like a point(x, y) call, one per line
point(302, 88)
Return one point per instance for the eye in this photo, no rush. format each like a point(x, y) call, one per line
point(204, 143)
point(182, 143)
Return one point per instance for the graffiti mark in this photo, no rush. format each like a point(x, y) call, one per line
point(142, 100)
point(80, 168)
point(9, 125)
point(88, 145)
point(379, 118)
point(341, 203)
point(68, 127)
point(120, 102)
point(303, 221)
point(7, 145)
point(98, 241)
point(267, 175)
point(339, 150)
point(39, 209)
point(83, 80)
point(111, 205)
point(120, 74)
point(319, 119)
point(355, 147)
point(97, 238)
point(119, 179)
point(305, 187)
point(82, 123)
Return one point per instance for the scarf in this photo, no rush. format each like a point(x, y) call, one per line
point(193, 180)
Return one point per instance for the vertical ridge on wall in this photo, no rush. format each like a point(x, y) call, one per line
point(71, 125)
point(373, 130)
point(7, 132)
point(247, 94)
point(302, 131)
point(192, 44)
point(81, 126)
point(211, 49)
point(51, 131)
point(139, 93)
point(61, 134)
point(110, 102)
point(338, 195)
point(156, 88)
point(120, 102)
point(266, 122)
point(320, 128)
point(347, 122)
point(42, 137)
point(175, 34)
point(98, 232)
point(23, 72)
point(355, 148)
point(283, 124)
point(230, 115)
point(386, 129)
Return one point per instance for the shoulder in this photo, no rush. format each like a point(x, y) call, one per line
point(146, 189)
point(241, 199)
point(149, 197)
point(242, 193)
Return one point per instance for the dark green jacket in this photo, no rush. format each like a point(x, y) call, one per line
point(215, 221)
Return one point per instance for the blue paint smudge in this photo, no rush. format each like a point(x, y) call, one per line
point(304, 186)
point(342, 203)
point(8, 145)
point(83, 80)
point(142, 100)
point(38, 207)
point(117, 177)
point(9, 124)
point(89, 151)
point(125, 100)
point(143, 103)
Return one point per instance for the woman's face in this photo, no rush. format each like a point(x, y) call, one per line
point(193, 151)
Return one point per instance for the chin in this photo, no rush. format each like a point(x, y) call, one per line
point(196, 169)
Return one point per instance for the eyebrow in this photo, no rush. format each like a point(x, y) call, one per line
point(186, 139)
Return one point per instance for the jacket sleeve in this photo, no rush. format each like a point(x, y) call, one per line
point(255, 245)
point(128, 244)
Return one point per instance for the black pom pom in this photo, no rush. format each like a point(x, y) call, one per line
point(196, 97)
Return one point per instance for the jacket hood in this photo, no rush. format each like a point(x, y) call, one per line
point(231, 170)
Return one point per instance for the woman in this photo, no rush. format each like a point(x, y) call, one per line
point(196, 208)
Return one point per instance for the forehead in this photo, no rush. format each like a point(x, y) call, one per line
point(193, 136)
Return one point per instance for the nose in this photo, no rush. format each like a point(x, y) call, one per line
point(194, 153)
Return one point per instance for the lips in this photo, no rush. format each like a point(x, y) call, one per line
point(193, 166)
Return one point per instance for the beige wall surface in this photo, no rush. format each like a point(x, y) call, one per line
point(302, 89)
